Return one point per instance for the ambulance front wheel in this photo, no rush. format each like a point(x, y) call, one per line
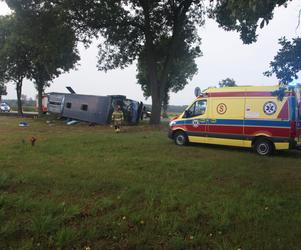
point(180, 138)
point(263, 147)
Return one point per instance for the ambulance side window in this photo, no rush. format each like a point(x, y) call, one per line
point(197, 109)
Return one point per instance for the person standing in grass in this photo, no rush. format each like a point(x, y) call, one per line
point(117, 118)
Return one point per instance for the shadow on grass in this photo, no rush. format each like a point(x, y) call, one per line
point(221, 147)
point(296, 154)
point(282, 153)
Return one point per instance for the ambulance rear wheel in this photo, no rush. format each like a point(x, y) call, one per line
point(180, 138)
point(264, 147)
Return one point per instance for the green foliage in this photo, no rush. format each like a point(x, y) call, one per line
point(65, 237)
point(37, 43)
point(43, 225)
point(5, 180)
point(228, 82)
point(131, 28)
point(123, 25)
point(15, 51)
point(244, 16)
point(182, 69)
point(280, 93)
point(2, 89)
point(287, 62)
point(55, 46)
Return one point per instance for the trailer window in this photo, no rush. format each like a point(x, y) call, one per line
point(84, 107)
point(68, 105)
point(54, 103)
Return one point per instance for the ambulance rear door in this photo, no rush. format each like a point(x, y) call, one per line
point(298, 114)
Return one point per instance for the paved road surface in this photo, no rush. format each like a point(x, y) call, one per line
point(15, 113)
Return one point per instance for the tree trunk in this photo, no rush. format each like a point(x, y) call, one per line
point(158, 83)
point(156, 105)
point(165, 105)
point(40, 99)
point(152, 71)
point(19, 93)
point(165, 115)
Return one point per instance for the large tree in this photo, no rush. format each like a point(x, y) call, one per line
point(51, 39)
point(129, 28)
point(2, 90)
point(54, 49)
point(244, 16)
point(15, 53)
point(183, 68)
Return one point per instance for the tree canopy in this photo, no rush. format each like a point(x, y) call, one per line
point(183, 67)
point(244, 16)
point(287, 62)
point(37, 43)
point(131, 30)
point(247, 17)
point(15, 53)
point(128, 28)
point(228, 82)
point(54, 49)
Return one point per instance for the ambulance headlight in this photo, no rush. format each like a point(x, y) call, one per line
point(172, 123)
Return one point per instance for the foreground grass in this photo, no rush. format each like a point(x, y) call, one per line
point(86, 186)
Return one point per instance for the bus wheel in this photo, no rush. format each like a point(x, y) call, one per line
point(180, 138)
point(263, 147)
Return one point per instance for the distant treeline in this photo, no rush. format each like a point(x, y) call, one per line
point(171, 108)
point(32, 103)
point(13, 102)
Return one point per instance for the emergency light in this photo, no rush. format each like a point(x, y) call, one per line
point(197, 92)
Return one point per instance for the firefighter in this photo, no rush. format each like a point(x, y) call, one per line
point(117, 118)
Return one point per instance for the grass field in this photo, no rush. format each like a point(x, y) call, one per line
point(86, 186)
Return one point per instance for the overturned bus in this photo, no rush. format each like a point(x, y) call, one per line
point(94, 109)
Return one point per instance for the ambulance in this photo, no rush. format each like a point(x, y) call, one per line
point(265, 118)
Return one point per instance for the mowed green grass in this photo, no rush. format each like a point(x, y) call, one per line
point(86, 186)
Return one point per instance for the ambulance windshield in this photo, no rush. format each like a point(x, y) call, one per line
point(197, 109)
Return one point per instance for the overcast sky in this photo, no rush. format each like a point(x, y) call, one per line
point(224, 56)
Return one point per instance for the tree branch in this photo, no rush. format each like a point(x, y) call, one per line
point(178, 25)
point(299, 20)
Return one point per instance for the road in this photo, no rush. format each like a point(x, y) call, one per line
point(15, 113)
